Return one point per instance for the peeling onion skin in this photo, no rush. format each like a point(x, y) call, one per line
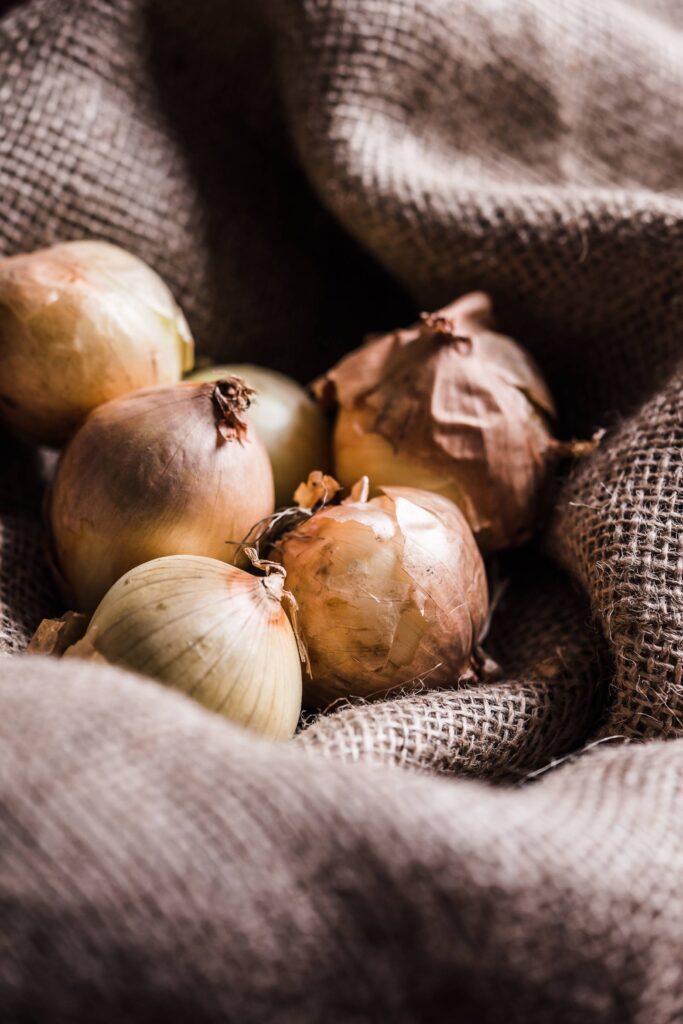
point(208, 629)
point(80, 324)
point(290, 424)
point(392, 594)
point(452, 406)
point(150, 475)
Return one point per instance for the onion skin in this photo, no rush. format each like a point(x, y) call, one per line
point(289, 423)
point(80, 324)
point(148, 475)
point(451, 406)
point(392, 594)
point(211, 630)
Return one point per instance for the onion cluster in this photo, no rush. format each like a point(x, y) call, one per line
point(163, 485)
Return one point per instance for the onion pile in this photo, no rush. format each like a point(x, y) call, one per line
point(392, 593)
point(162, 471)
point(211, 630)
point(163, 485)
point(82, 323)
point(451, 406)
point(290, 424)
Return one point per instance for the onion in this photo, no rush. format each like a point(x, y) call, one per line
point(391, 592)
point(211, 630)
point(82, 323)
point(289, 423)
point(453, 407)
point(162, 471)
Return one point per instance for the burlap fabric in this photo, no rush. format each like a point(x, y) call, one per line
point(301, 172)
point(159, 865)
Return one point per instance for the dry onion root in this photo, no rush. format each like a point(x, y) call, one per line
point(82, 323)
point(162, 471)
point(451, 406)
point(217, 633)
point(392, 593)
point(290, 424)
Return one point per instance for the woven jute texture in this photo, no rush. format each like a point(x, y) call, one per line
point(619, 529)
point(302, 171)
point(158, 865)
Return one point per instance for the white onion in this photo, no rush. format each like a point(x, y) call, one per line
point(211, 630)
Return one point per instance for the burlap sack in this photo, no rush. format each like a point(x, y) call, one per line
point(159, 865)
point(300, 173)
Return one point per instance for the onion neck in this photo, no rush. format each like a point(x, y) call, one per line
point(274, 586)
point(274, 576)
point(231, 398)
point(441, 330)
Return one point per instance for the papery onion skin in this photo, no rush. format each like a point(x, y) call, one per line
point(290, 424)
point(150, 475)
point(82, 323)
point(392, 594)
point(452, 406)
point(211, 630)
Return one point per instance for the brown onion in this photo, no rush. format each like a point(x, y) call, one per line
point(162, 471)
point(451, 406)
point(82, 323)
point(287, 420)
point(392, 593)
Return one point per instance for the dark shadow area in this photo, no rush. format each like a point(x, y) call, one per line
point(27, 591)
point(288, 286)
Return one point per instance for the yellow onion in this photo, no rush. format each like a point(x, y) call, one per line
point(392, 593)
point(162, 471)
point(451, 406)
point(289, 423)
point(82, 323)
point(219, 634)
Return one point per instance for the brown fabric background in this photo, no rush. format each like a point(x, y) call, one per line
point(301, 172)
